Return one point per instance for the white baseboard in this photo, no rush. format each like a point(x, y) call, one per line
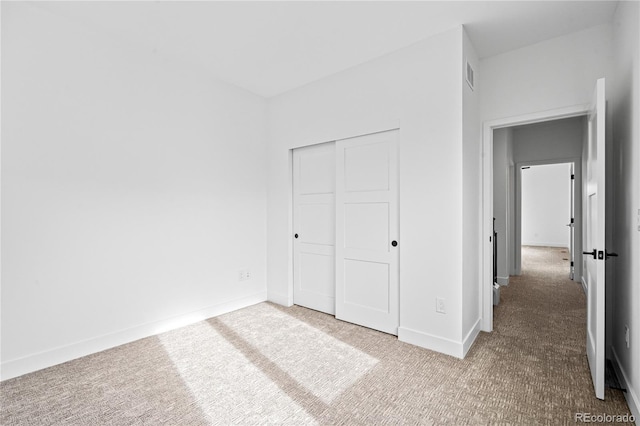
point(630, 395)
point(38, 361)
point(431, 342)
point(538, 244)
point(503, 280)
point(471, 336)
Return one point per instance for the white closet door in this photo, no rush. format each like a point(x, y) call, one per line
point(314, 227)
point(367, 231)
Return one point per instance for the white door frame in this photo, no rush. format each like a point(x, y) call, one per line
point(486, 281)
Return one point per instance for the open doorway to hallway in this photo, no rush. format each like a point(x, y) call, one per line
point(533, 258)
point(537, 192)
point(541, 305)
point(543, 157)
point(547, 214)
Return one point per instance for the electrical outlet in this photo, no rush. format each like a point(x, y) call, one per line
point(440, 307)
point(244, 274)
point(626, 336)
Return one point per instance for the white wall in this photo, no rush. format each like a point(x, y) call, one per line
point(546, 205)
point(419, 90)
point(552, 74)
point(132, 191)
point(625, 178)
point(549, 141)
point(511, 208)
point(502, 199)
point(471, 196)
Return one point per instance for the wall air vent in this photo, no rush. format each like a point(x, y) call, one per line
point(469, 75)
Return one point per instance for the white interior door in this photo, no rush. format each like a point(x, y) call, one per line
point(595, 239)
point(367, 231)
point(314, 227)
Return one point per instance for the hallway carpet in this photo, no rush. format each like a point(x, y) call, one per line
point(268, 364)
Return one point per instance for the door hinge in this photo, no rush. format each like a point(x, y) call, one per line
point(572, 263)
point(572, 220)
point(573, 176)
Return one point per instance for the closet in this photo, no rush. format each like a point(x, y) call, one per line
point(346, 226)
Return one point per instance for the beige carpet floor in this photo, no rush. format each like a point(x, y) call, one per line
point(267, 364)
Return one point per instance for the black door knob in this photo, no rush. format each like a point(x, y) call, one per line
point(394, 243)
point(592, 253)
point(296, 235)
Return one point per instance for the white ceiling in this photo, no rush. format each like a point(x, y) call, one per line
point(271, 47)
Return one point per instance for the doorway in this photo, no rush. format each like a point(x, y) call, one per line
point(545, 151)
point(549, 153)
point(546, 206)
